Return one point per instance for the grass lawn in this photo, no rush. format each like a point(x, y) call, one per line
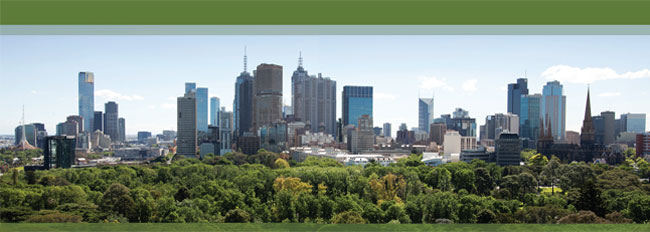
point(549, 190)
point(7, 227)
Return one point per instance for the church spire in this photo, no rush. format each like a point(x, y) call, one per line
point(588, 107)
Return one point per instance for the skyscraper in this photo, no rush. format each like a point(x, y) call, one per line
point(357, 101)
point(122, 124)
point(87, 99)
point(362, 138)
point(268, 95)
point(425, 113)
point(499, 123)
point(529, 117)
point(225, 130)
point(515, 91)
point(634, 122)
point(98, 121)
point(604, 127)
point(190, 86)
point(202, 109)
point(214, 111)
point(243, 103)
point(554, 107)
point(314, 100)
point(111, 126)
point(186, 124)
point(387, 129)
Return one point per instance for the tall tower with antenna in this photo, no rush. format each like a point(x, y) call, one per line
point(23, 144)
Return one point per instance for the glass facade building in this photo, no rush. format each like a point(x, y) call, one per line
point(425, 113)
point(243, 104)
point(553, 109)
point(357, 101)
point(87, 99)
point(189, 87)
point(634, 122)
point(529, 117)
point(202, 109)
point(214, 111)
point(111, 126)
point(515, 91)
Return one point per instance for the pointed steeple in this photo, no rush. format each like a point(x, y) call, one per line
point(588, 107)
point(23, 144)
point(588, 135)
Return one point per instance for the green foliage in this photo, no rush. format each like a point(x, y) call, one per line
point(264, 188)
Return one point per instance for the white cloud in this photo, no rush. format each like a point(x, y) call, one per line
point(610, 94)
point(34, 92)
point(168, 106)
point(384, 96)
point(429, 83)
point(565, 73)
point(111, 95)
point(470, 85)
point(151, 107)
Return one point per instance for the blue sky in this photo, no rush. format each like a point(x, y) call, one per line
point(145, 74)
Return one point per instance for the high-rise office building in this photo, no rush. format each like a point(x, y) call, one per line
point(190, 87)
point(425, 113)
point(461, 122)
point(143, 136)
point(111, 127)
point(79, 120)
point(202, 109)
point(357, 101)
point(362, 138)
point(122, 124)
point(387, 129)
point(186, 123)
point(226, 130)
point(437, 132)
point(508, 149)
point(87, 99)
point(634, 122)
point(529, 117)
point(243, 103)
point(267, 102)
point(98, 121)
point(604, 126)
point(643, 145)
point(314, 100)
point(553, 107)
point(499, 123)
point(214, 111)
point(515, 91)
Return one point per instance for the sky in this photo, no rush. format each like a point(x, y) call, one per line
point(145, 74)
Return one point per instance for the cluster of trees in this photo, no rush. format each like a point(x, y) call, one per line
point(269, 187)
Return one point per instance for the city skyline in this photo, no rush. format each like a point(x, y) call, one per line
point(615, 78)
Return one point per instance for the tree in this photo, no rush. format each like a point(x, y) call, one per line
point(550, 173)
point(291, 184)
point(348, 217)
point(582, 217)
point(388, 188)
point(281, 163)
point(638, 208)
point(237, 215)
point(519, 185)
point(588, 199)
point(486, 216)
point(116, 199)
point(55, 218)
point(484, 181)
point(464, 179)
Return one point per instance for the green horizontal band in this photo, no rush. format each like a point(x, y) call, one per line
point(320, 12)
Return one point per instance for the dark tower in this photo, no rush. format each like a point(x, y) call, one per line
point(588, 135)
